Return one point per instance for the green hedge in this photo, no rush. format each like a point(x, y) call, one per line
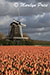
point(24, 42)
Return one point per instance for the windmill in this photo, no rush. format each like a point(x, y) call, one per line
point(16, 28)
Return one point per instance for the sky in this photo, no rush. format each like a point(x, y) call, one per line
point(37, 19)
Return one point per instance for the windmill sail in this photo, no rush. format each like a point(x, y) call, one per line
point(21, 30)
point(23, 24)
point(18, 9)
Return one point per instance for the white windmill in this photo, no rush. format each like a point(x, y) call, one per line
point(20, 25)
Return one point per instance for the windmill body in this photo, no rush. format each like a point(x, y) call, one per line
point(16, 30)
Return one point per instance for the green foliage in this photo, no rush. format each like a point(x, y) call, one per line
point(24, 42)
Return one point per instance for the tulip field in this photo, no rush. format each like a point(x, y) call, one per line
point(24, 60)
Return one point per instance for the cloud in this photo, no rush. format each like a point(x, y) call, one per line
point(42, 20)
point(40, 36)
point(27, 1)
point(5, 20)
point(22, 20)
point(9, 9)
point(43, 0)
point(17, 0)
point(37, 30)
point(37, 19)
